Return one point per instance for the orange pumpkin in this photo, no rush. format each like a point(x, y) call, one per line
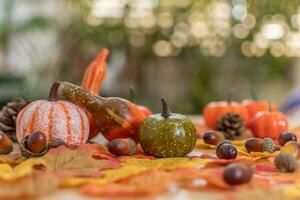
point(56, 119)
point(214, 110)
point(268, 124)
point(146, 111)
point(253, 107)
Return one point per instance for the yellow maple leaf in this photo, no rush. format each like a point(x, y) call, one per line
point(166, 163)
point(110, 175)
point(133, 166)
point(9, 173)
point(243, 151)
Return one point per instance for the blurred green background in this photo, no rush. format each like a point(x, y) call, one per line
point(189, 51)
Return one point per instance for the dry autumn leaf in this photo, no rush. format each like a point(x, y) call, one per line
point(137, 185)
point(14, 158)
point(78, 161)
point(8, 173)
point(37, 184)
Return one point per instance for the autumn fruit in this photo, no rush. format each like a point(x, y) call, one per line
point(268, 124)
point(113, 117)
point(6, 146)
point(215, 110)
point(122, 147)
point(285, 137)
point(255, 106)
point(254, 145)
point(34, 145)
point(55, 118)
point(213, 137)
point(291, 148)
point(167, 134)
point(286, 163)
point(36, 142)
point(236, 174)
point(92, 81)
point(226, 150)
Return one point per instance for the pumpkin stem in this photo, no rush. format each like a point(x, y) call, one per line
point(270, 106)
point(166, 112)
point(132, 93)
point(53, 91)
point(254, 93)
point(230, 95)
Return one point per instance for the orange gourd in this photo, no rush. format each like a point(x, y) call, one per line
point(214, 110)
point(268, 124)
point(92, 82)
point(113, 117)
point(56, 119)
point(253, 107)
point(95, 73)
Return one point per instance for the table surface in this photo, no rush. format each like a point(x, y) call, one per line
point(174, 192)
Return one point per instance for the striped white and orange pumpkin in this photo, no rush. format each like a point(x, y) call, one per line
point(56, 119)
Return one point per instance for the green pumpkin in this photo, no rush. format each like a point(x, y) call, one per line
point(167, 134)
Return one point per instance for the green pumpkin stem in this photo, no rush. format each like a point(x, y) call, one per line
point(254, 94)
point(53, 91)
point(132, 93)
point(166, 112)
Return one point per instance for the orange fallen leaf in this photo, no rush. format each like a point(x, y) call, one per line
point(78, 161)
point(29, 187)
point(146, 183)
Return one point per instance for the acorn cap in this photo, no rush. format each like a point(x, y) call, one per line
point(26, 153)
point(268, 145)
point(286, 163)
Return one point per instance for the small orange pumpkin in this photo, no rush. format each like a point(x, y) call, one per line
point(253, 107)
point(56, 119)
point(268, 124)
point(214, 110)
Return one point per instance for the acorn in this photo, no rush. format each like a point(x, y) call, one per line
point(254, 145)
point(213, 137)
point(6, 146)
point(291, 148)
point(122, 147)
point(34, 145)
point(268, 145)
point(236, 174)
point(285, 137)
point(286, 163)
point(226, 150)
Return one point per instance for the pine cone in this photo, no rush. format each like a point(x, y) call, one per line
point(8, 116)
point(231, 124)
